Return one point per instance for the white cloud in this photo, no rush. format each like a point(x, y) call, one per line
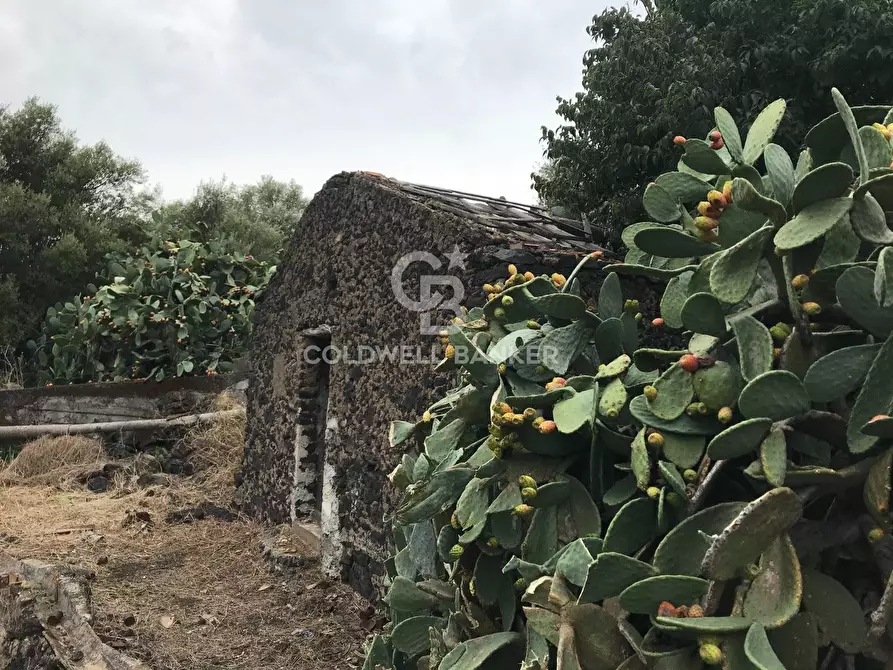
point(447, 92)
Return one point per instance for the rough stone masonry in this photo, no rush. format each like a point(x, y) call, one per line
point(316, 441)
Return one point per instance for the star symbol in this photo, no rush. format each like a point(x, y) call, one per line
point(457, 259)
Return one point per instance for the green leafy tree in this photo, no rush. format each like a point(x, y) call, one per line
point(63, 206)
point(173, 308)
point(258, 217)
point(649, 77)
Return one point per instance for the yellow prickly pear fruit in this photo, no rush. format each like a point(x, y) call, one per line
point(528, 493)
point(450, 351)
point(520, 584)
point(716, 199)
point(703, 409)
point(559, 279)
point(533, 325)
point(472, 587)
point(537, 422)
point(656, 440)
point(556, 383)
point(527, 482)
point(690, 475)
point(507, 301)
point(710, 654)
point(638, 316)
point(653, 492)
point(503, 368)
point(454, 522)
point(692, 409)
point(493, 543)
point(516, 419)
point(875, 534)
point(499, 313)
point(724, 415)
point(704, 207)
point(456, 551)
point(649, 392)
point(501, 408)
point(426, 417)
point(547, 427)
point(530, 414)
point(727, 192)
point(529, 276)
point(443, 333)
point(706, 224)
point(489, 288)
point(812, 308)
point(523, 511)
point(513, 269)
point(800, 281)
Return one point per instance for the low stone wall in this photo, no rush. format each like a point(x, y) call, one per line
point(113, 401)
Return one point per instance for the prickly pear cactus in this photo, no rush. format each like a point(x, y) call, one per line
point(577, 502)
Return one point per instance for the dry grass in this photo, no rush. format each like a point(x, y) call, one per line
point(228, 609)
point(51, 461)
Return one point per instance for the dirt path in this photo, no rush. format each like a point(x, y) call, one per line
point(186, 595)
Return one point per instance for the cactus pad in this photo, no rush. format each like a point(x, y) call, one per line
point(827, 139)
point(734, 271)
point(852, 128)
point(611, 574)
point(832, 180)
point(774, 457)
point(573, 413)
point(702, 313)
point(730, 134)
point(561, 346)
point(599, 643)
point(700, 157)
point(685, 451)
point(796, 643)
point(542, 536)
point(623, 490)
point(632, 527)
point(684, 187)
point(837, 612)
point(812, 223)
point(759, 651)
point(683, 548)
point(869, 220)
point(883, 278)
point(739, 440)
point(718, 385)
point(661, 205)
point(875, 397)
point(645, 596)
point(762, 131)
point(774, 595)
point(780, 169)
point(672, 243)
point(777, 394)
point(674, 297)
point(839, 373)
point(615, 368)
point(876, 492)
point(752, 531)
point(708, 625)
point(748, 198)
point(476, 653)
point(674, 393)
point(684, 425)
point(641, 463)
point(609, 338)
point(754, 346)
point(855, 292)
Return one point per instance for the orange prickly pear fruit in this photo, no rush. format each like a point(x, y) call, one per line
point(679, 140)
point(717, 199)
point(689, 363)
point(556, 383)
point(657, 323)
point(666, 609)
point(705, 223)
point(513, 269)
point(597, 254)
point(812, 308)
point(547, 427)
point(529, 276)
point(800, 281)
point(656, 440)
point(727, 192)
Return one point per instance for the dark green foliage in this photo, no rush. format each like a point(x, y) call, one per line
point(650, 78)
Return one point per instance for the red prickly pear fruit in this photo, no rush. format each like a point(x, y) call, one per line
point(657, 323)
point(724, 415)
point(879, 417)
point(547, 427)
point(679, 140)
point(715, 136)
point(666, 609)
point(649, 392)
point(812, 308)
point(689, 363)
point(717, 145)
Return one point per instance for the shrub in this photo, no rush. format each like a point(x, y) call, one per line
point(583, 502)
point(175, 308)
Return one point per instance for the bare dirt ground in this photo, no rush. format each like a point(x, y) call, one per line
point(186, 595)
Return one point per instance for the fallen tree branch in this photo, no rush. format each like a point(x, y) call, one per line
point(28, 432)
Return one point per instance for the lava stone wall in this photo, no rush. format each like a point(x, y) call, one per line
point(336, 275)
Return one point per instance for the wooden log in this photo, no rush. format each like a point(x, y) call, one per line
point(28, 432)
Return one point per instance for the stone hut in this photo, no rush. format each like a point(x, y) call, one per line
point(344, 340)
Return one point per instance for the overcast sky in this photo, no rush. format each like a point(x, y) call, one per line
point(444, 92)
